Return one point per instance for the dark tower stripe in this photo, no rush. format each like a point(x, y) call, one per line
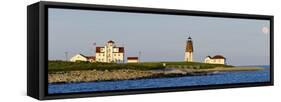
point(189, 45)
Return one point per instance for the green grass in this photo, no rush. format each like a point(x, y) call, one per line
point(193, 65)
point(54, 66)
point(68, 66)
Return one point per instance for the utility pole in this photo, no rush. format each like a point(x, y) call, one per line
point(139, 56)
point(123, 45)
point(66, 56)
point(94, 49)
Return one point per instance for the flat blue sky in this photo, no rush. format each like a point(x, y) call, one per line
point(158, 37)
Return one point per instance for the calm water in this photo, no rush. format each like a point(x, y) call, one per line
point(220, 78)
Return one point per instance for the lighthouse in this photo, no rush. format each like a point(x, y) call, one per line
point(188, 50)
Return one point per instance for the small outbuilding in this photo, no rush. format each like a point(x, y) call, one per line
point(81, 57)
point(132, 60)
point(217, 59)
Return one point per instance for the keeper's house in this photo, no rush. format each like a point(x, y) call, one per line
point(81, 57)
point(218, 59)
point(132, 60)
point(110, 53)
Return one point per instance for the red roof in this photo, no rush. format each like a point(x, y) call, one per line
point(132, 58)
point(216, 57)
point(98, 49)
point(91, 57)
point(110, 41)
point(209, 56)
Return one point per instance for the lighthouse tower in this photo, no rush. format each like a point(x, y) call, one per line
point(189, 50)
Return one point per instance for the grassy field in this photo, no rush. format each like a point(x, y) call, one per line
point(193, 65)
point(55, 66)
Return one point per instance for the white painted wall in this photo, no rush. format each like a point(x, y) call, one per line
point(214, 61)
point(132, 61)
point(78, 57)
point(13, 46)
point(188, 56)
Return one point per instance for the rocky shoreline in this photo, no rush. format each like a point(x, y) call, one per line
point(96, 75)
point(127, 74)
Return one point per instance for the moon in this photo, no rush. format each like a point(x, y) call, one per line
point(265, 30)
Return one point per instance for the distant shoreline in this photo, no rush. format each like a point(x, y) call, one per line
point(79, 76)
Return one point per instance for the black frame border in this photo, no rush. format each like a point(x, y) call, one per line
point(43, 47)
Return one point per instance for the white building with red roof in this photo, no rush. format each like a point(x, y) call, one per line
point(218, 59)
point(132, 60)
point(110, 53)
point(81, 57)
